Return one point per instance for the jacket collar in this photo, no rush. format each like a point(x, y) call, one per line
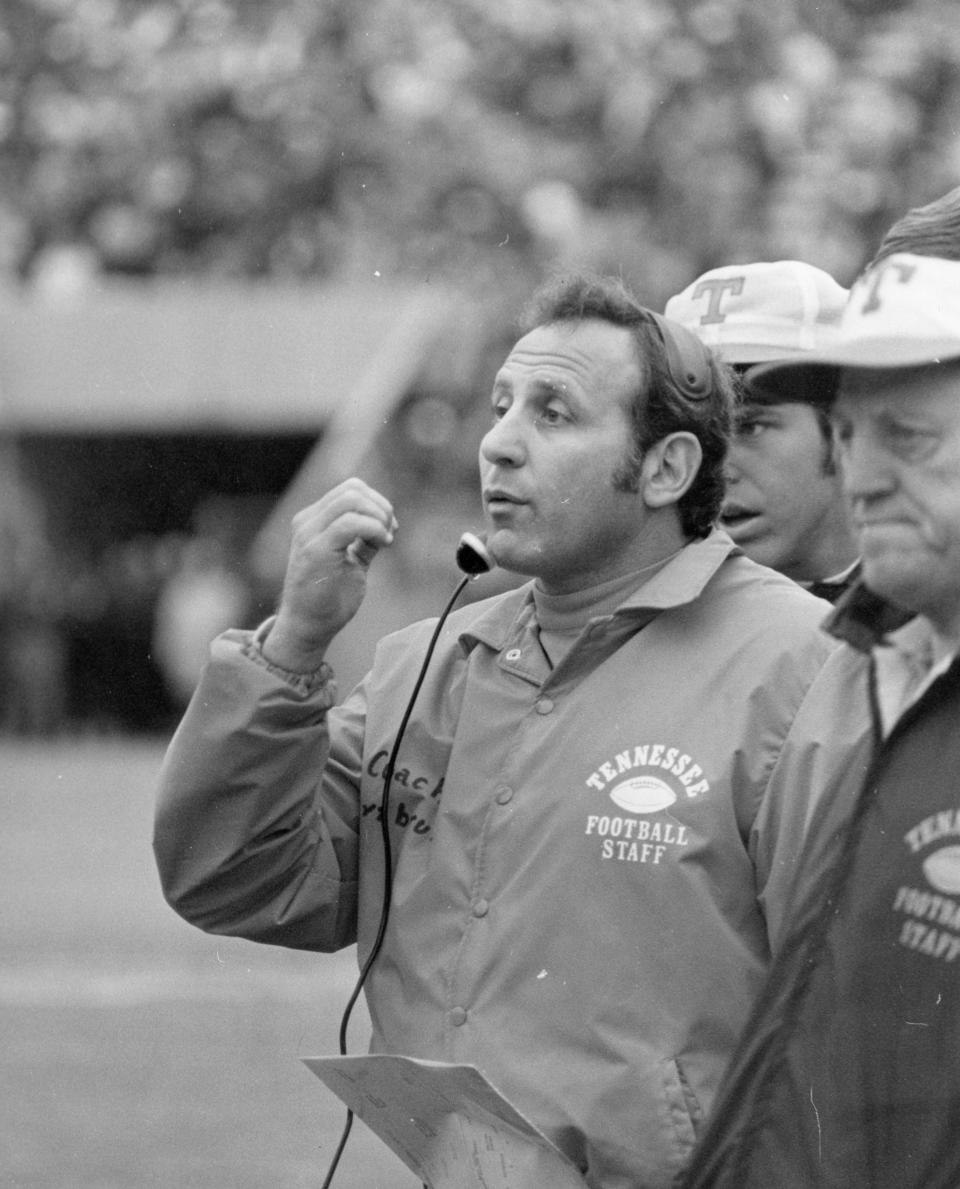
point(862, 619)
point(681, 581)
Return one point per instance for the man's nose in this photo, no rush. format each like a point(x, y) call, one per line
point(864, 466)
point(503, 443)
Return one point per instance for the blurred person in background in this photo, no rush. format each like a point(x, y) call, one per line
point(33, 644)
point(846, 1078)
point(116, 683)
point(583, 837)
point(201, 597)
point(34, 671)
point(784, 505)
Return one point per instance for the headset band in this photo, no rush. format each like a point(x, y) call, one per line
point(688, 360)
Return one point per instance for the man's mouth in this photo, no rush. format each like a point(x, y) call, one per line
point(496, 498)
point(734, 515)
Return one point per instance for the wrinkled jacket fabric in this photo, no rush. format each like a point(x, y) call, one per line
point(577, 855)
point(848, 1077)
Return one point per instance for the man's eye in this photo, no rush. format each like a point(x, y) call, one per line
point(552, 416)
point(750, 429)
point(911, 441)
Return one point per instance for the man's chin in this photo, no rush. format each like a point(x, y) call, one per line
point(895, 581)
point(757, 546)
point(512, 554)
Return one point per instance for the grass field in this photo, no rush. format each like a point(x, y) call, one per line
point(138, 1053)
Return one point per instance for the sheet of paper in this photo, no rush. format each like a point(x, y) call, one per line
point(447, 1123)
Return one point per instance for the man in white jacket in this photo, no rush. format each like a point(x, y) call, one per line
point(580, 835)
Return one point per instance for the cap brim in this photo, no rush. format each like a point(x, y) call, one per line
point(744, 355)
point(815, 375)
point(876, 353)
point(805, 383)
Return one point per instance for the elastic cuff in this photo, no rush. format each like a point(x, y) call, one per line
point(319, 680)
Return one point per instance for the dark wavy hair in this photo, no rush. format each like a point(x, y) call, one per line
point(659, 407)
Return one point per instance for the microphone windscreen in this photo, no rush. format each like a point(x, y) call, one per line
point(473, 557)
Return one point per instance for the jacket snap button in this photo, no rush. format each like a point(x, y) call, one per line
point(458, 1016)
point(481, 908)
point(545, 706)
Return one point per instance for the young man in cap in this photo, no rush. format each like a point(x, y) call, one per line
point(847, 1076)
point(583, 843)
point(784, 504)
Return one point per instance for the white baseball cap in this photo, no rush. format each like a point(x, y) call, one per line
point(754, 313)
point(903, 312)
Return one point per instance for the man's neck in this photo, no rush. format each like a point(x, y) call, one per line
point(832, 547)
point(835, 555)
point(661, 541)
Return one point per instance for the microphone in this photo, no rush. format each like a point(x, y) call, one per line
point(473, 556)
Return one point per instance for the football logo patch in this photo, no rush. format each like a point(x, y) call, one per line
point(942, 870)
point(643, 782)
point(643, 794)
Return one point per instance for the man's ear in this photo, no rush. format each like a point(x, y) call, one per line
point(669, 468)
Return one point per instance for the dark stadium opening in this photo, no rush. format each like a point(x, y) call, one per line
point(101, 488)
point(132, 525)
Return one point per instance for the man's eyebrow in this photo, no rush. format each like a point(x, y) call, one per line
point(539, 387)
point(545, 386)
point(758, 409)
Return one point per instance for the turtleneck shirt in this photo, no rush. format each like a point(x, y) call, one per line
point(563, 617)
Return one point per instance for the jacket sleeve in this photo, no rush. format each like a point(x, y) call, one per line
point(824, 757)
point(257, 810)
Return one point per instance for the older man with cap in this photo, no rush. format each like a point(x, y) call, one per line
point(847, 1076)
point(784, 505)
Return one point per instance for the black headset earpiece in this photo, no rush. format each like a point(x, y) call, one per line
point(688, 360)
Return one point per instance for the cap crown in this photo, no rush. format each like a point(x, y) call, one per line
point(753, 313)
point(903, 312)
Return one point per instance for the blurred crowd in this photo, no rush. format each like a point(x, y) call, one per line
point(478, 143)
point(475, 140)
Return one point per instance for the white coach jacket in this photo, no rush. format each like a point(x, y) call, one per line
point(580, 856)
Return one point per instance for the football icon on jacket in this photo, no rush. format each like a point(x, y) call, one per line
point(642, 794)
point(942, 869)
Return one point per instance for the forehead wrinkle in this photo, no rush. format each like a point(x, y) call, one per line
point(584, 368)
point(581, 364)
point(580, 360)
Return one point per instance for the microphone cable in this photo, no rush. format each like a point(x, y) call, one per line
point(473, 569)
